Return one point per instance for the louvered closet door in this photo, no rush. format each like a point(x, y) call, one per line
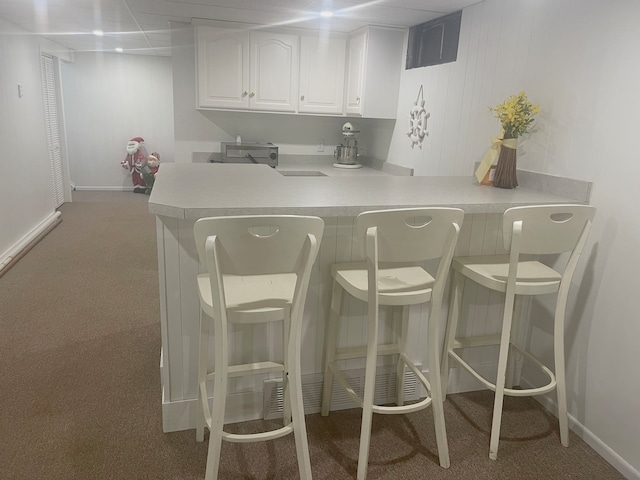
point(53, 136)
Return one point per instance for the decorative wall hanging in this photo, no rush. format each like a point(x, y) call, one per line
point(418, 121)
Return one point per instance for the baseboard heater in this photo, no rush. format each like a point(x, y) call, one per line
point(385, 391)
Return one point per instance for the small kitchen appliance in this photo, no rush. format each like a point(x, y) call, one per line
point(346, 156)
point(260, 153)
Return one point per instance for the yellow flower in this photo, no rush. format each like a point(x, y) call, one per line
point(515, 114)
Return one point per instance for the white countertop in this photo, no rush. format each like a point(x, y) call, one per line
point(197, 190)
point(326, 167)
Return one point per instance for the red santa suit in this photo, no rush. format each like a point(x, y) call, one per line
point(134, 161)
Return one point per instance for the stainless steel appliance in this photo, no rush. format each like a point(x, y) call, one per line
point(261, 153)
point(346, 156)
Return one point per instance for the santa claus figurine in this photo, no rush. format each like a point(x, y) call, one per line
point(149, 169)
point(134, 161)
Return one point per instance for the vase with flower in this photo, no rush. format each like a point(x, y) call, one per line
point(516, 117)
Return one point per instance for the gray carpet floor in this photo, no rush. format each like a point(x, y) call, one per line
point(80, 383)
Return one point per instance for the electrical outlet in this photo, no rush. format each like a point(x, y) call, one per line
point(320, 147)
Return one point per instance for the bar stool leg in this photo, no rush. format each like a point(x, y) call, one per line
point(286, 386)
point(297, 407)
point(513, 357)
point(436, 393)
point(202, 375)
point(219, 400)
point(503, 357)
point(401, 322)
point(369, 389)
point(457, 289)
point(558, 348)
point(331, 344)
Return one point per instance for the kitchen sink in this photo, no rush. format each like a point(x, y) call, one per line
point(301, 173)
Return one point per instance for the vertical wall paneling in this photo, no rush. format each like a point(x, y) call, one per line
point(452, 118)
point(119, 97)
point(189, 306)
point(327, 254)
point(471, 46)
point(162, 290)
point(477, 140)
point(172, 294)
point(440, 111)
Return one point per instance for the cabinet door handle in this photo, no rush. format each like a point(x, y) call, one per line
point(302, 97)
point(252, 94)
point(358, 100)
point(244, 94)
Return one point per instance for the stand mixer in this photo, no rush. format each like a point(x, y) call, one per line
point(346, 156)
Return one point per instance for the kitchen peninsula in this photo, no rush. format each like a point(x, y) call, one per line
point(183, 193)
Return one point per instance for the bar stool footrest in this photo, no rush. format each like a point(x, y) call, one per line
point(256, 368)
point(386, 410)
point(361, 352)
point(257, 437)
point(524, 392)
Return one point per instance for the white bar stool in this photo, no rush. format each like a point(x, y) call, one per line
point(396, 245)
point(537, 230)
point(258, 270)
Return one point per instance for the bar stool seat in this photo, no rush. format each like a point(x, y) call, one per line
point(527, 231)
point(394, 284)
point(492, 271)
point(396, 244)
point(257, 271)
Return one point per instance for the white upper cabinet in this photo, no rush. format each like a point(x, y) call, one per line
point(294, 71)
point(373, 72)
point(223, 68)
point(242, 70)
point(274, 72)
point(355, 73)
point(322, 66)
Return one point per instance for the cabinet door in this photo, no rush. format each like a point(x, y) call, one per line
point(274, 72)
point(322, 65)
point(355, 73)
point(223, 68)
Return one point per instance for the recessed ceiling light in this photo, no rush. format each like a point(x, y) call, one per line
point(98, 33)
point(119, 49)
point(326, 14)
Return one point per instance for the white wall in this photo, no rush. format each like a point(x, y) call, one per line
point(203, 130)
point(110, 98)
point(26, 188)
point(578, 59)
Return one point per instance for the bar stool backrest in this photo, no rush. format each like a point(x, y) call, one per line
point(257, 245)
point(409, 235)
point(547, 229)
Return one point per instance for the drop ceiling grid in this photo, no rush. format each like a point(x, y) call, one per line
point(142, 26)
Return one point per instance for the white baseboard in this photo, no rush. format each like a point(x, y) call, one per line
point(589, 437)
point(181, 415)
point(104, 188)
point(26, 239)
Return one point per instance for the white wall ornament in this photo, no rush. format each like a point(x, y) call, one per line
point(418, 121)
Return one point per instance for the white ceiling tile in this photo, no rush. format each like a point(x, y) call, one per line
point(70, 22)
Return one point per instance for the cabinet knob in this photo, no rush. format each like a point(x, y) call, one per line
point(302, 97)
point(244, 94)
point(358, 100)
point(252, 94)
